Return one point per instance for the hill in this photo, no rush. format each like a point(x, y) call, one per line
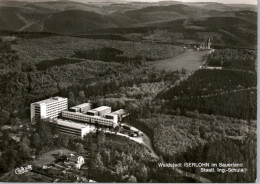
point(78, 21)
point(181, 9)
point(56, 6)
point(9, 19)
point(126, 14)
point(224, 7)
point(168, 21)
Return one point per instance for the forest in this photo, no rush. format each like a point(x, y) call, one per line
point(180, 109)
point(117, 159)
point(234, 105)
point(43, 65)
point(242, 59)
point(204, 82)
point(110, 55)
point(219, 92)
point(95, 78)
point(127, 158)
point(53, 47)
point(180, 139)
point(200, 128)
point(104, 36)
point(9, 60)
point(228, 150)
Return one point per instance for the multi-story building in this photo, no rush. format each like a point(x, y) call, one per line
point(81, 108)
point(71, 128)
point(111, 121)
point(49, 108)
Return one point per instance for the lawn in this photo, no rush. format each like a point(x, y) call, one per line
point(190, 60)
point(48, 157)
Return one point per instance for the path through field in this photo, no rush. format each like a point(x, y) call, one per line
point(190, 60)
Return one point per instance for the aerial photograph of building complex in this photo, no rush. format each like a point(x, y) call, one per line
point(55, 111)
point(128, 91)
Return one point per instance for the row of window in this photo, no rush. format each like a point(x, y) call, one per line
point(55, 104)
point(68, 128)
point(54, 112)
point(88, 119)
point(56, 107)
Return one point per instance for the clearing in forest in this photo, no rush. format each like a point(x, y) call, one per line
point(49, 157)
point(190, 60)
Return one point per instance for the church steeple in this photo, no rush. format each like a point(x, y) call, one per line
point(208, 43)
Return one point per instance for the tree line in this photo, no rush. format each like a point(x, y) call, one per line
point(242, 59)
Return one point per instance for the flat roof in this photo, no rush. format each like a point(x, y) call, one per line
point(101, 108)
point(92, 110)
point(69, 124)
point(119, 112)
point(82, 105)
point(80, 113)
point(50, 100)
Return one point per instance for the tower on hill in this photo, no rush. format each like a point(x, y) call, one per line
point(208, 44)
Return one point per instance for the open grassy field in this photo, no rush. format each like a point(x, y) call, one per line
point(190, 60)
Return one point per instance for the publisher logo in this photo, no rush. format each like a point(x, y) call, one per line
point(22, 170)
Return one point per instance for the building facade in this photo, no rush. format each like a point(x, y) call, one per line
point(111, 122)
point(121, 113)
point(70, 128)
point(49, 108)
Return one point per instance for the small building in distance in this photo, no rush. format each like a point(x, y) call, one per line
point(80, 162)
point(8, 38)
point(205, 46)
point(49, 108)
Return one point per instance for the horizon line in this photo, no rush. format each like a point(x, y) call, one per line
point(248, 2)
